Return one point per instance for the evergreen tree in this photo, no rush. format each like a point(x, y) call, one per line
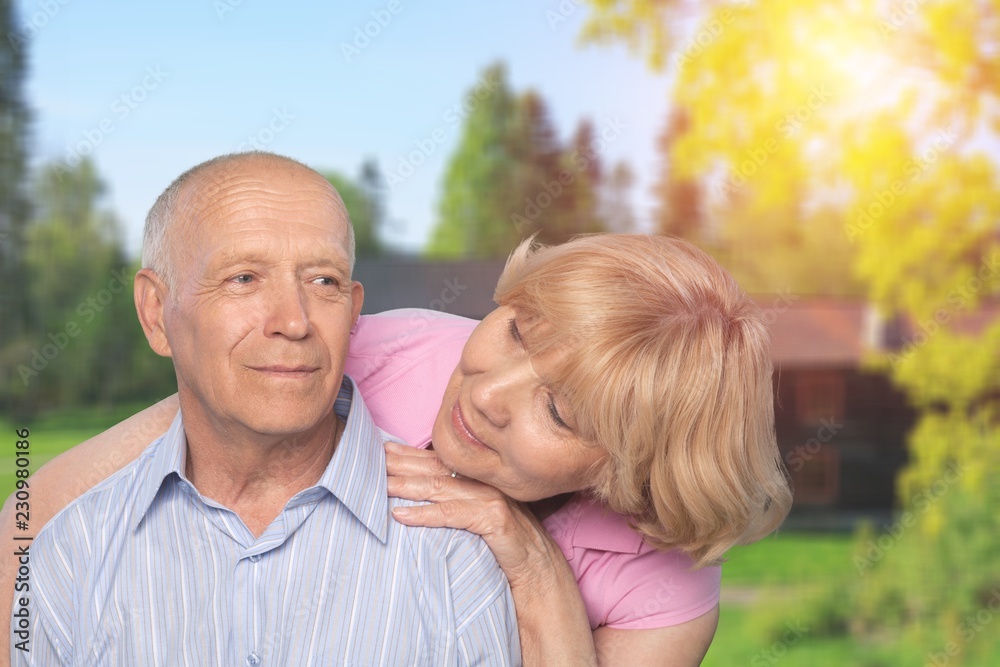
point(14, 205)
point(678, 211)
point(481, 182)
point(616, 208)
point(83, 332)
point(372, 183)
point(364, 205)
point(511, 177)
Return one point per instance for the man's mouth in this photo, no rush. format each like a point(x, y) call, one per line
point(285, 370)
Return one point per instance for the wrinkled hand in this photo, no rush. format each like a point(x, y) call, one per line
point(521, 545)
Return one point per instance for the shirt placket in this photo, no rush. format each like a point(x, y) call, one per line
point(249, 579)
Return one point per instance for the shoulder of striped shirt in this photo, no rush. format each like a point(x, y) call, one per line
point(110, 484)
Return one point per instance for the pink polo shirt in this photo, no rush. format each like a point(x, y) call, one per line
point(401, 361)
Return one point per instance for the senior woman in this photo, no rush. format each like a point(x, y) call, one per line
point(608, 430)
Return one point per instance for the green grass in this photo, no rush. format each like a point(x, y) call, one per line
point(738, 642)
point(771, 588)
point(789, 559)
point(52, 434)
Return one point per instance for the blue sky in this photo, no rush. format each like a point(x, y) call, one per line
point(154, 88)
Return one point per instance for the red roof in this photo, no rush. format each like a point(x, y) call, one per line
point(828, 331)
point(816, 331)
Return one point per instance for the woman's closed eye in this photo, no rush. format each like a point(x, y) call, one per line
point(554, 412)
point(514, 331)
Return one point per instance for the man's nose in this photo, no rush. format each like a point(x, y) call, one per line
point(287, 312)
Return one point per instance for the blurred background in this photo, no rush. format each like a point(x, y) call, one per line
point(839, 157)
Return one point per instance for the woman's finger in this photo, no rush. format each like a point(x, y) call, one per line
point(489, 519)
point(438, 488)
point(403, 460)
point(521, 546)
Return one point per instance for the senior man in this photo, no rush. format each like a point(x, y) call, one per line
point(256, 531)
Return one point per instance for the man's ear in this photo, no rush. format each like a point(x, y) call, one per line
point(151, 299)
point(357, 300)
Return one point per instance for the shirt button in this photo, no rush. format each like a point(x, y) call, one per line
point(254, 559)
point(253, 660)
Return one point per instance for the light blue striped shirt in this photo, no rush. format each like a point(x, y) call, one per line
point(142, 570)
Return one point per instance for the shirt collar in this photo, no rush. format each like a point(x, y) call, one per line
point(585, 523)
point(355, 474)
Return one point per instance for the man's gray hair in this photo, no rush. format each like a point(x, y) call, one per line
point(155, 241)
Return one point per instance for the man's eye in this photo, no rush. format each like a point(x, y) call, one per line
point(326, 281)
point(243, 279)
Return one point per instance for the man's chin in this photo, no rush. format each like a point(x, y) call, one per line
point(278, 418)
point(281, 425)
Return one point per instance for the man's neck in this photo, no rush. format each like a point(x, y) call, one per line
point(256, 475)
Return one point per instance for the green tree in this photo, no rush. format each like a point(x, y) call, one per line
point(511, 177)
point(364, 200)
point(481, 182)
point(856, 130)
point(373, 184)
point(14, 203)
point(83, 344)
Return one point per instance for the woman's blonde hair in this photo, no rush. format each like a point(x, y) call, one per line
point(669, 370)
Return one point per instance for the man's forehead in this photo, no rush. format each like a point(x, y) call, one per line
point(261, 184)
point(267, 244)
point(252, 195)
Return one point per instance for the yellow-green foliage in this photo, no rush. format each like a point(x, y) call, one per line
point(866, 119)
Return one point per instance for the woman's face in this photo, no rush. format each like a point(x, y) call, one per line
point(500, 421)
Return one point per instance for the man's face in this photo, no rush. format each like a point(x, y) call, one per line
point(260, 314)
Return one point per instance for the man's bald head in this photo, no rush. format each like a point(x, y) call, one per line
point(184, 199)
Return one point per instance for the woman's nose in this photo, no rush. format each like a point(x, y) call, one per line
point(496, 393)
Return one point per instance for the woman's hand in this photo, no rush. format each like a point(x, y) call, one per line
point(551, 616)
point(517, 539)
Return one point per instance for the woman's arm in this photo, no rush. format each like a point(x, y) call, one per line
point(551, 617)
point(683, 645)
point(70, 475)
